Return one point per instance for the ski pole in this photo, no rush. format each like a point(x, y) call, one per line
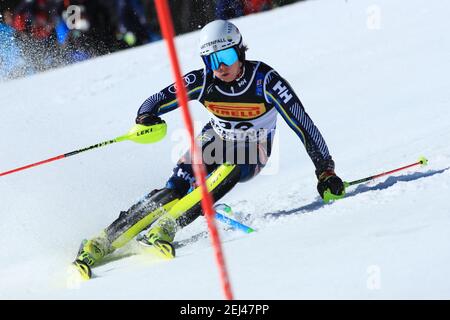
point(138, 133)
point(328, 196)
point(233, 223)
point(421, 161)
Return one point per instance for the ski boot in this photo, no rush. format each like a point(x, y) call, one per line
point(90, 253)
point(159, 238)
point(187, 209)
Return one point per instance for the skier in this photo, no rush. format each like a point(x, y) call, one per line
point(243, 99)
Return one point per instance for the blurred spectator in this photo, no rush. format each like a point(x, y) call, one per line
point(44, 34)
point(201, 12)
point(75, 49)
point(6, 18)
point(73, 42)
point(152, 18)
point(278, 3)
point(12, 64)
point(228, 9)
point(35, 22)
point(181, 11)
point(133, 26)
point(42, 23)
point(35, 17)
point(23, 16)
point(252, 6)
point(98, 27)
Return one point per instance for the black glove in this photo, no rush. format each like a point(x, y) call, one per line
point(329, 180)
point(148, 119)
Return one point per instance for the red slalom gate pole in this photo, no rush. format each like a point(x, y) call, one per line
point(166, 24)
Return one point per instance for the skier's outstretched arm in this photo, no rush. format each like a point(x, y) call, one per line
point(166, 100)
point(280, 94)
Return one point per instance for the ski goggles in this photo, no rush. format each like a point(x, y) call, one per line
point(227, 56)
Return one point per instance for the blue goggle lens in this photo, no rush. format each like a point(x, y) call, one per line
point(214, 60)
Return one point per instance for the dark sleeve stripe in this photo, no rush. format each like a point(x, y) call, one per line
point(301, 116)
point(286, 117)
point(151, 103)
point(165, 100)
point(301, 119)
point(174, 103)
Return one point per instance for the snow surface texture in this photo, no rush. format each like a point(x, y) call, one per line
point(373, 75)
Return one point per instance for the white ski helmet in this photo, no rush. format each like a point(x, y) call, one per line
point(218, 35)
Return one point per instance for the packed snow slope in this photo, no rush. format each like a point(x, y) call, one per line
point(374, 78)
